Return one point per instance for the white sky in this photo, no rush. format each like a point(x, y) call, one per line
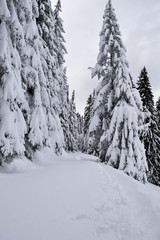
point(140, 27)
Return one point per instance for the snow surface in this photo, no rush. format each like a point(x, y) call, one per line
point(75, 198)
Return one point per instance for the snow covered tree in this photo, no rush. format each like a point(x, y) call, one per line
point(151, 133)
point(59, 31)
point(151, 138)
point(88, 113)
point(158, 111)
point(30, 100)
point(60, 50)
point(33, 79)
point(79, 123)
point(12, 123)
point(87, 119)
point(117, 108)
point(80, 131)
point(73, 126)
point(46, 25)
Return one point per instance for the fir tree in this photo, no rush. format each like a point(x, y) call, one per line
point(80, 131)
point(145, 90)
point(65, 104)
point(46, 25)
point(117, 107)
point(34, 81)
point(158, 111)
point(88, 113)
point(29, 74)
point(12, 123)
point(87, 119)
point(151, 133)
point(59, 31)
point(73, 127)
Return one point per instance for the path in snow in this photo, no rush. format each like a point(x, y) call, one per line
point(76, 198)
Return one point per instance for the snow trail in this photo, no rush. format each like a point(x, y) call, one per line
point(75, 197)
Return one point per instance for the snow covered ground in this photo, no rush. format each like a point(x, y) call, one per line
point(75, 198)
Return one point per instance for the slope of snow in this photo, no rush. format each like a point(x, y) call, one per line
point(75, 198)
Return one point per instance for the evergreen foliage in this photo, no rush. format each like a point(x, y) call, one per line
point(12, 104)
point(151, 133)
point(145, 90)
point(117, 108)
point(66, 106)
point(34, 103)
point(73, 126)
point(80, 123)
point(88, 111)
point(158, 111)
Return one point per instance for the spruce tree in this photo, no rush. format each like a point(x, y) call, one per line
point(158, 111)
point(46, 25)
point(34, 81)
point(59, 31)
point(73, 126)
point(65, 104)
point(29, 74)
point(12, 104)
point(117, 107)
point(151, 133)
point(87, 119)
point(88, 113)
point(80, 131)
point(145, 90)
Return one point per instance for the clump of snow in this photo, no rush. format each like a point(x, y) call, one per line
point(19, 165)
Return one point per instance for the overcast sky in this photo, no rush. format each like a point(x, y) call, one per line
point(140, 27)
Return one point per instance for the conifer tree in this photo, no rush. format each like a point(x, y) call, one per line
point(46, 25)
point(80, 131)
point(151, 133)
point(158, 111)
point(34, 81)
point(88, 113)
point(117, 108)
point(60, 50)
point(145, 90)
point(30, 87)
point(87, 119)
point(59, 31)
point(12, 123)
point(73, 127)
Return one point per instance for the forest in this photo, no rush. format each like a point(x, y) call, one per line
point(121, 121)
point(65, 175)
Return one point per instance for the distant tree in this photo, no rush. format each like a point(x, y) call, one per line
point(80, 123)
point(158, 111)
point(117, 108)
point(90, 139)
point(151, 133)
point(145, 90)
point(73, 125)
point(88, 113)
point(60, 48)
point(80, 131)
